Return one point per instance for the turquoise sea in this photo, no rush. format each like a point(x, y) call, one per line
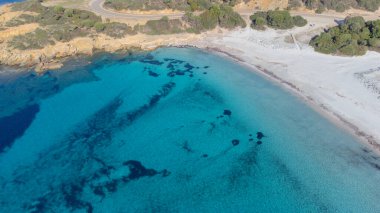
point(173, 130)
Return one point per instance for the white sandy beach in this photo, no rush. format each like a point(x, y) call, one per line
point(345, 89)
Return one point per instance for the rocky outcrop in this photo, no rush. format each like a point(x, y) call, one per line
point(51, 56)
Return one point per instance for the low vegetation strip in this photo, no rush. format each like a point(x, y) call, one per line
point(353, 37)
point(58, 24)
point(183, 5)
point(337, 5)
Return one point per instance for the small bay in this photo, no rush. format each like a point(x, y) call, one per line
point(174, 130)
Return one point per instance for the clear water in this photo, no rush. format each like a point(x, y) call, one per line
point(8, 1)
point(175, 130)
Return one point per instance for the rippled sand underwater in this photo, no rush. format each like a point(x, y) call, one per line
point(174, 130)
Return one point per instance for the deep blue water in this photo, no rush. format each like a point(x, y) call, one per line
point(8, 1)
point(174, 130)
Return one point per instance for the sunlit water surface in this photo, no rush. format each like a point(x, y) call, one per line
point(175, 130)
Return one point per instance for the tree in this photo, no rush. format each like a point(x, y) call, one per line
point(280, 19)
point(324, 43)
point(355, 24)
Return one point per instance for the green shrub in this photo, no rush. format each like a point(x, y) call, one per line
point(340, 5)
point(353, 49)
point(69, 13)
point(99, 26)
point(66, 32)
point(324, 43)
point(162, 26)
point(355, 24)
point(88, 23)
point(230, 19)
point(33, 40)
point(299, 21)
point(223, 15)
point(353, 37)
point(209, 18)
point(20, 20)
point(118, 30)
point(259, 23)
point(374, 42)
point(59, 9)
point(276, 19)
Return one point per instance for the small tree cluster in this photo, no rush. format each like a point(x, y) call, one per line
point(353, 37)
point(337, 5)
point(222, 15)
point(276, 19)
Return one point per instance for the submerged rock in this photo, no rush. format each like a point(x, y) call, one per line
point(260, 135)
point(235, 142)
point(153, 74)
point(138, 170)
point(227, 112)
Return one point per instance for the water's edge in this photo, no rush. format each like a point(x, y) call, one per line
point(340, 122)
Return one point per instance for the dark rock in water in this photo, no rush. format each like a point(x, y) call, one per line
point(260, 135)
point(227, 112)
point(149, 59)
point(170, 66)
point(138, 170)
point(14, 126)
point(188, 66)
point(165, 173)
point(37, 206)
point(98, 190)
point(250, 135)
point(259, 142)
point(191, 75)
point(205, 73)
point(71, 193)
point(205, 155)
point(251, 139)
point(235, 142)
point(153, 74)
point(111, 186)
point(206, 67)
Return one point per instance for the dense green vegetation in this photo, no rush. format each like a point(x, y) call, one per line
point(353, 37)
point(222, 15)
point(217, 15)
point(162, 26)
point(337, 5)
point(184, 5)
point(60, 24)
point(63, 24)
point(276, 19)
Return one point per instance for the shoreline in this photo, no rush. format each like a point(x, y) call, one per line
point(340, 122)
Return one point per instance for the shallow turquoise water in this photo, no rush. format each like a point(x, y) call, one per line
point(177, 130)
